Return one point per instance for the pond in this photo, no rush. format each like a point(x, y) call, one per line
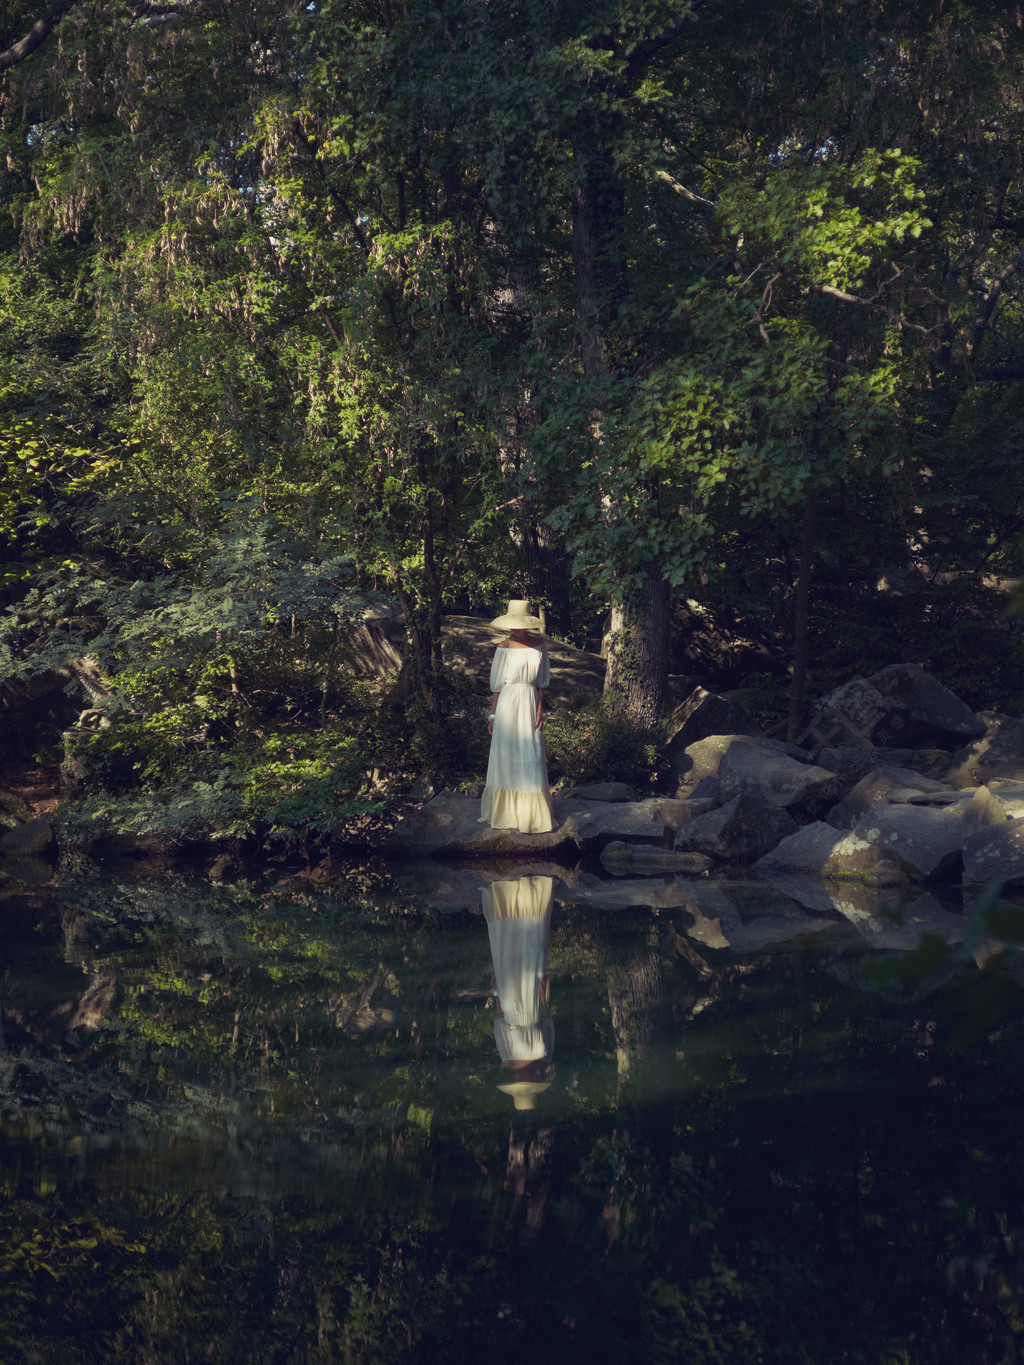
point(504, 1114)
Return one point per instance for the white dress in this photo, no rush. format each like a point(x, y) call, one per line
point(518, 915)
point(516, 795)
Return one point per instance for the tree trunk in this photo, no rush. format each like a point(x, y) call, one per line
point(638, 649)
point(801, 616)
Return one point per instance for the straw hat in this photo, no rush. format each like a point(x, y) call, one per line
point(518, 616)
point(524, 1093)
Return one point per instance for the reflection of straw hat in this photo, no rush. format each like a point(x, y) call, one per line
point(524, 1093)
point(518, 616)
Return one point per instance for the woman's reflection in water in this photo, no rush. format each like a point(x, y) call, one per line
point(518, 915)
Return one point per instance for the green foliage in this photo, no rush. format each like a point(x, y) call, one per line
point(593, 740)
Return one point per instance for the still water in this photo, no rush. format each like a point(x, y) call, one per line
point(507, 1115)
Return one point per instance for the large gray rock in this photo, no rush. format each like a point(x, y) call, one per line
point(850, 764)
point(448, 827)
point(995, 853)
point(917, 843)
point(930, 713)
point(697, 768)
point(597, 823)
point(739, 831)
point(807, 851)
point(751, 768)
point(706, 713)
point(900, 706)
point(876, 787)
point(35, 836)
point(676, 814)
point(998, 753)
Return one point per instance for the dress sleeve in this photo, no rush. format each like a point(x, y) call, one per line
point(544, 672)
point(498, 669)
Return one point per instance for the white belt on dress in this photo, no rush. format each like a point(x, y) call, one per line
point(516, 684)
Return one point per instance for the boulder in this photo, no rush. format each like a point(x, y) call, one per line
point(876, 787)
point(697, 769)
point(851, 764)
point(930, 713)
point(35, 836)
point(900, 706)
point(917, 843)
point(676, 814)
point(597, 823)
point(999, 753)
point(448, 826)
point(647, 860)
point(995, 853)
point(705, 713)
point(774, 778)
point(805, 852)
point(740, 831)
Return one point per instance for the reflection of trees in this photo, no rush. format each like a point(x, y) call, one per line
point(319, 1204)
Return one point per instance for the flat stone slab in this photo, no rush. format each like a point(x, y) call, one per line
point(448, 827)
point(650, 860)
point(601, 822)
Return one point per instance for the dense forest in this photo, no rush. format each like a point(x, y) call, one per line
point(699, 324)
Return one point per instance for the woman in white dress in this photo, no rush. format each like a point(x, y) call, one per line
point(516, 794)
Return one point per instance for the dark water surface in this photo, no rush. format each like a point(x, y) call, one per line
point(264, 1123)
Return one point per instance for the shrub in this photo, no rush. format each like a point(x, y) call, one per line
point(592, 740)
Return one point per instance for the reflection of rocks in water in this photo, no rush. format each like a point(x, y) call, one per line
point(746, 916)
point(885, 919)
point(456, 886)
point(63, 1001)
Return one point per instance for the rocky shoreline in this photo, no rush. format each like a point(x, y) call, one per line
point(945, 804)
point(895, 783)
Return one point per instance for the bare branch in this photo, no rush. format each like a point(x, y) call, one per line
point(36, 35)
point(681, 189)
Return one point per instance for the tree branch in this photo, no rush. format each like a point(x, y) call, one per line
point(687, 194)
point(36, 35)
